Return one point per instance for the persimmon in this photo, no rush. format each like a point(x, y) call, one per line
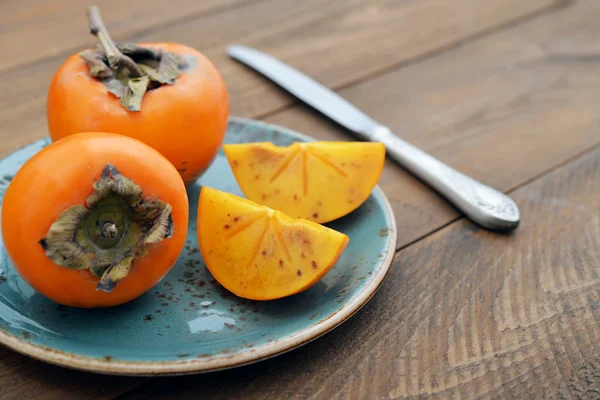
point(167, 95)
point(318, 181)
point(95, 219)
point(261, 254)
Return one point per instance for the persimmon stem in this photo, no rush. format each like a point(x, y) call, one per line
point(128, 71)
point(109, 230)
point(115, 57)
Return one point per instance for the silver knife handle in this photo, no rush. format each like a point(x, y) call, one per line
point(484, 205)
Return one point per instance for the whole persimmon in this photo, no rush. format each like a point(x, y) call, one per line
point(167, 95)
point(95, 219)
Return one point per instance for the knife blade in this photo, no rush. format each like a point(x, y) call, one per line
point(484, 205)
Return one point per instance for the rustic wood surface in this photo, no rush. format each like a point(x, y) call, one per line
point(504, 90)
point(300, 32)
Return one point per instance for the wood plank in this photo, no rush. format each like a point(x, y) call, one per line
point(464, 313)
point(23, 377)
point(417, 189)
point(499, 109)
point(435, 326)
point(362, 41)
point(32, 30)
point(24, 94)
point(338, 42)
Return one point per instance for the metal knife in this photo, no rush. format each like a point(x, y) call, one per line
point(484, 205)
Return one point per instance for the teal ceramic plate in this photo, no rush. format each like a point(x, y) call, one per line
point(188, 323)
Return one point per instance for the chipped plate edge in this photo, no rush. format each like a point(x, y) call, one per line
point(220, 362)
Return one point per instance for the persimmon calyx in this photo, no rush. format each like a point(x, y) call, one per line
point(110, 231)
point(128, 71)
point(157, 68)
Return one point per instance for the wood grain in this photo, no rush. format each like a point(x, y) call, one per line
point(23, 98)
point(362, 41)
point(463, 313)
point(338, 42)
point(25, 378)
point(452, 319)
point(470, 313)
point(500, 109)
point(32, 30)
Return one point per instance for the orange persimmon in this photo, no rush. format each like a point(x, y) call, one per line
point(178, 105)
point(95, 219)
point(318, 181)
point(261, 254)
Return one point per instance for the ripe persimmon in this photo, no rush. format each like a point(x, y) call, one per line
point(261, 254)
point(167, 95)
point(318, 181)
point(94, 219)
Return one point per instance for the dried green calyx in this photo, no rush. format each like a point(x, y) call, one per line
point(156, 67)
point(114, 227)
point(129, 71)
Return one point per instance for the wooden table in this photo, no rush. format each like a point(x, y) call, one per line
point(504, 90)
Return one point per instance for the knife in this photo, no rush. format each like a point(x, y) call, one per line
point(484, 205)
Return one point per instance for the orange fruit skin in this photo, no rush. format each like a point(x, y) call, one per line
point(317, 181)
point(185, 122)
point(261, 254)
point(60, 176)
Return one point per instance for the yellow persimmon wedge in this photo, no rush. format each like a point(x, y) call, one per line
point(261, 254)
point(318, 181)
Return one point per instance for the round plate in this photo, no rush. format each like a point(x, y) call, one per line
point(188, 323)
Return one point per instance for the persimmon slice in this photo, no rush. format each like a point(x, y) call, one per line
point(261, 254)
point(318, 181)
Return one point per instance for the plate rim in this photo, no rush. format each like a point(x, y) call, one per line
point(220, 362)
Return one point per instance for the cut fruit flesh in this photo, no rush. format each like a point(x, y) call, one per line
point(318, 181)
point(261, 254)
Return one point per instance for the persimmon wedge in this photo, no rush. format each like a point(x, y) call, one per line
point(261, 254)
point(317, 181)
